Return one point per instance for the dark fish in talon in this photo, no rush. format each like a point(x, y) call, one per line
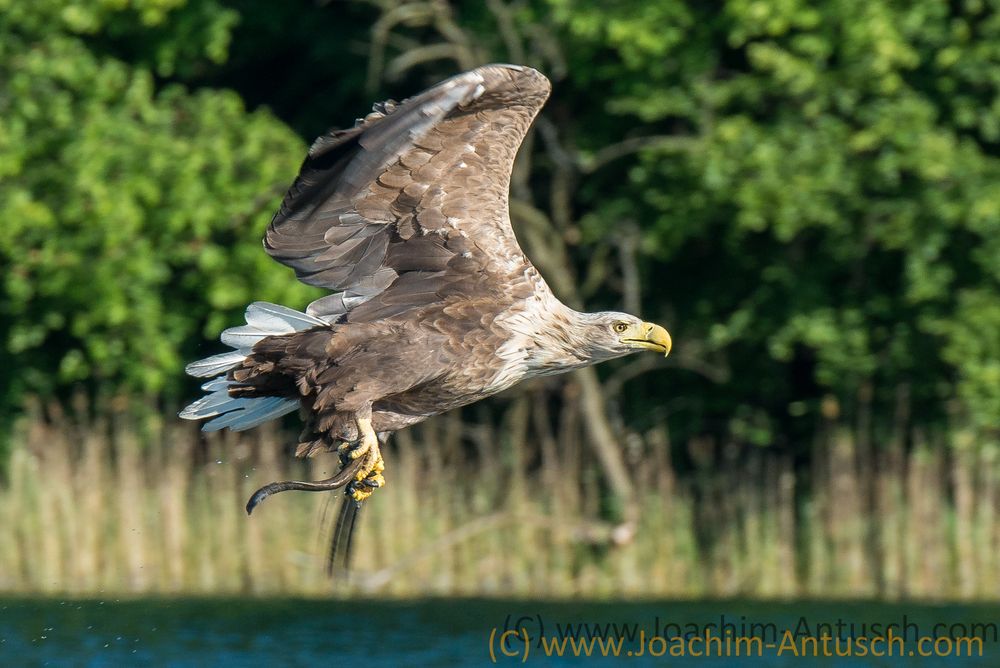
point(343, 477)
point(404, 218)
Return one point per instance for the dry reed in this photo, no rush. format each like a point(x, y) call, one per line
point(125, 506)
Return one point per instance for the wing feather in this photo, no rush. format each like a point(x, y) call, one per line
point(412, 202)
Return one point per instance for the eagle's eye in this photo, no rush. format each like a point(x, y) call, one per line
point(620, 327)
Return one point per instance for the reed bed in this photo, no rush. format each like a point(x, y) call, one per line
point(126, 506)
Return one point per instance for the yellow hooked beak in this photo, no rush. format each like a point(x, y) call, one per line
point(648, 336)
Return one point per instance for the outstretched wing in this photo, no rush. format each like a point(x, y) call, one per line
point(410, 206)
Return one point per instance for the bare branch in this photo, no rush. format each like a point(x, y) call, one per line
point(611, 152)
point(588, 533)
point(713, 372)
point(635, 368)
point(410, 13)
point(547, 253)
point(508, 31)
point(451, 31)
point(596, 273)
point(550, 139)
point(545, 47)
point(604, 442)
point(422, 54)
point(628, 247)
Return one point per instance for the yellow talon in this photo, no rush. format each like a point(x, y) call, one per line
point(369, 476)
point(360, 494)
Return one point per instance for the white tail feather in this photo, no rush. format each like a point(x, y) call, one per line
point(257, 411)
point(215, 384)
point(212, 404)
point(244, 337)
point(239, 413)
point(265, 320)
point(273, 317)
point(214, 365)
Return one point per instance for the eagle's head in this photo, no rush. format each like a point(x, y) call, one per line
point(611, 334)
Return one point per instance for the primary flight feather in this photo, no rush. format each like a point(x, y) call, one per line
point(434, 305)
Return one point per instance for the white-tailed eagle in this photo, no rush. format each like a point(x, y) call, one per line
point(404, 218)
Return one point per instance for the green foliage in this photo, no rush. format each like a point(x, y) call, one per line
point(841, 208)
point(829, 223)
point(133, 214)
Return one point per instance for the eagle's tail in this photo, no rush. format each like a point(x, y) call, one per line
point(239, 413)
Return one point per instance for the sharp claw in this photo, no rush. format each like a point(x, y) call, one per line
point(358, 494)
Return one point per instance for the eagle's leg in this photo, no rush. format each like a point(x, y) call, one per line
point(368, 476)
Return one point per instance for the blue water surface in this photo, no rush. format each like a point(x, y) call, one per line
point(443, 632)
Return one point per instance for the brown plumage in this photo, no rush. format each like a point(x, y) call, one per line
point(404, 218)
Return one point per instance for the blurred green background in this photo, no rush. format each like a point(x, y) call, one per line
point(806, 194)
